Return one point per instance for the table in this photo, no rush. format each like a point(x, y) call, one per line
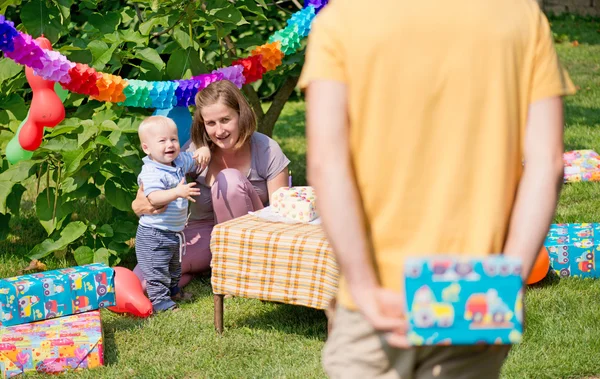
point(271, 261)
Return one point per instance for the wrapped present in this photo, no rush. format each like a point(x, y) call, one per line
point(581, 166)
point(453, 301)
point(572, 249)
point(56, 293)
point(52, 346)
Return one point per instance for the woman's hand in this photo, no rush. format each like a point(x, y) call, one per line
point(142, 206)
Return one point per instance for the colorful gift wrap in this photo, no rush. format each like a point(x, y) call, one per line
point(572, 249)
point(52, 346)
point(581, 166)
point(454, 301)
point(56, 293)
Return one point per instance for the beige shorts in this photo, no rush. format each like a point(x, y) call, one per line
point(355, 350)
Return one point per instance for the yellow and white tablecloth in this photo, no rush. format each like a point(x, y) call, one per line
point(288, 263)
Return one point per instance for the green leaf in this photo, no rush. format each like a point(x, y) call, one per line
point(13, 201)
point(117, 196)
point(7, 3)
point(68, 235)
point(106, 23)
point(252, 7)
point(185, 64)
point(84, 255)
point(5, 190)
point(151, 56)
point(61, 143)
point(89, 130)
point(16, 105)
point(73, 160)
point(18, 172)
point(8, 69)
point(44, 207)
point(101, 256)
point(124, 230)
point(101, 53)
point(130, 35)
point(108, 125)
point(146, 27)
point(106, 231)
point(183, 39)
point(38, 19)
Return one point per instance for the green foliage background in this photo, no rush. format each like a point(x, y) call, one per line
point(94, 153)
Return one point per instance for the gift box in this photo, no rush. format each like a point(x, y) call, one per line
point(453, 301)
point(56, 293)
point(581, 166)
point(572, 249)
point(52, 346)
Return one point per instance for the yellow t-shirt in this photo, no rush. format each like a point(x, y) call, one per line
point(438, 95)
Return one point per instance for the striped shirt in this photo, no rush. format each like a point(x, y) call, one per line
point(159, 177)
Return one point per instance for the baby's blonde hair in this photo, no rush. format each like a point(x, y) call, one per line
point(154, 121)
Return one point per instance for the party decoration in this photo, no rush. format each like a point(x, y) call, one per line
point(302, 20)
point(540, 267)
point(55, 293)
point(130, 295)
point(317, 4)
point(52, 346)
point(14, 152)
point(573, 249)
point(182, 118)
point(288, 38)
point(47, 109)
point(26, 51)
point(110, 88)
point(56, 67)
point(233, 73)
point(253, 68)
point(83, 80)
point(271, 55)
point(8, 33)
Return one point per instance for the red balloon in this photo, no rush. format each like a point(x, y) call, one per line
point(46, 107)
point(540, 267)
point(129, 294)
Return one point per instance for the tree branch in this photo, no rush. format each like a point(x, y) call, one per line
point(267, 124)
point(254, 102)
point(138, 12)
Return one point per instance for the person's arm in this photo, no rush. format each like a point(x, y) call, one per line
point(141, 206)
point(540, 185)
point(184, 190)
point(280, 180)
point(330, 173)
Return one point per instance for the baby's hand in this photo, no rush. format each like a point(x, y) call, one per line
point(202, 155)
point(187, 190)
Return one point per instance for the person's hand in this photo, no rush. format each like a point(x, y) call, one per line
point(187, 190)
point(202, 156)
point(385, 311)
point(141, 205)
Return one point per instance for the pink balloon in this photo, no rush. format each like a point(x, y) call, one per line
point(129, 294)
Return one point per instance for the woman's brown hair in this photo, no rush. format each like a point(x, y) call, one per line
point(226, 92)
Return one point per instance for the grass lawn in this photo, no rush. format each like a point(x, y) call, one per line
point(265, 340)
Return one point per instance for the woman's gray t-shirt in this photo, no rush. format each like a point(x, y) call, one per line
point(267, 162)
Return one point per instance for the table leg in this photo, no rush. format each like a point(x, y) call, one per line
point(219, 313)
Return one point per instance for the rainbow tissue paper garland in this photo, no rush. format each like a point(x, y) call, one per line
point(82, 79)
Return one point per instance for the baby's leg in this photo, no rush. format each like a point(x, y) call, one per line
point(154, 255)
point(175, 267)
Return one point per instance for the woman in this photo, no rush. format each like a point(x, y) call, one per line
point(245, 169)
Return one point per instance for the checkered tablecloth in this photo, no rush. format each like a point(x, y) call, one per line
point(288, 263)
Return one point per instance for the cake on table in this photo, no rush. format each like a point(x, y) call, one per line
point(296, 203)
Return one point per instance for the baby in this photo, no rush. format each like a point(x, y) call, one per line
point(160, 242)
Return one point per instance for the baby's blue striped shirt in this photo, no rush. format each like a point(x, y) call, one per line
point(158, 177)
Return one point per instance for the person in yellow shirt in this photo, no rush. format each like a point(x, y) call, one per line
point(419, 115)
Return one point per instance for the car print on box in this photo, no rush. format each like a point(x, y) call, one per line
point(453, 301)
point(56, 293)
point(573, 248)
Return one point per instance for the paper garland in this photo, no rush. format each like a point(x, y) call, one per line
point(82, 79)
